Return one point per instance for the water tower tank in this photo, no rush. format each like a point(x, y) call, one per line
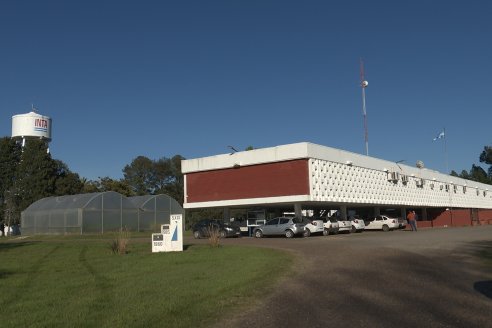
point(31, 125)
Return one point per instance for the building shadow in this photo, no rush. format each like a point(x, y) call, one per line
point(484, 287)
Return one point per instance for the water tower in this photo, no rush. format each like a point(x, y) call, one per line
point(30, 126)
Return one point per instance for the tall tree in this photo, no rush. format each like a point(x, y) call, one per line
point(175, 186)
point(478, 174)
point(67, 182)
point(89, 186)
point(10, 152)
point(146, 176)
point(36, 173)
point(121, 186)
point(486, 157)
point(140, 175)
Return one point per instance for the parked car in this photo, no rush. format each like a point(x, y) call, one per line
point(280, 226)
point(203, 229)
point(402, 222)
point(313, 225)
point(330, 226)
point(357, 223)
point(344, 225)
point(382, 222)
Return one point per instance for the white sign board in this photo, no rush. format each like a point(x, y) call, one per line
point(157, 242)
point(171, 236)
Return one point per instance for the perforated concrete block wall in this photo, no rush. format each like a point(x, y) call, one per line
point(342, 183)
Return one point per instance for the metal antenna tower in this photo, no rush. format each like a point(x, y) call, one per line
point(364, 84)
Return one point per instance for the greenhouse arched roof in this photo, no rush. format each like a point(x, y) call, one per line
point(149, 201)
point(70, 201)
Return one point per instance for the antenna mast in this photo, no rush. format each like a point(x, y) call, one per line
point(364, 84)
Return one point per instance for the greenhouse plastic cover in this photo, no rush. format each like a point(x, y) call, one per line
point(98, 213)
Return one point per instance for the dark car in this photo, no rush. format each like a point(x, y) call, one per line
point(203, 229)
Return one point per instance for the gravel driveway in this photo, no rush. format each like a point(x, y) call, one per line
point(427, 278)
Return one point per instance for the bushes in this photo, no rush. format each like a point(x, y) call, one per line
point(119, 245)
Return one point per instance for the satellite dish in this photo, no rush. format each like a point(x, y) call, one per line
point(364, 84)
point(420, 164)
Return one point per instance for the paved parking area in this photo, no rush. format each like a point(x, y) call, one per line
point(428, 278)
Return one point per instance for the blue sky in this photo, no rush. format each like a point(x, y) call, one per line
point(158, 78)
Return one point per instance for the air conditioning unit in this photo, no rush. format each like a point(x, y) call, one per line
point(393, 176)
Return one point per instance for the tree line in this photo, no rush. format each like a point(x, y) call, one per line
point(29, 173)
point(477, 173)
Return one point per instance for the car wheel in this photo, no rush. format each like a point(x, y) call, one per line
point(385, 228)
point(326, 232)
point(197, 234)
point(222, 234)
point(307, 233)
point(353, 229)
point(289, 234)
point(258, 234)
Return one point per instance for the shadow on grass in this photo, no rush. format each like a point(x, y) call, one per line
point(11, 245)
point(4, 274)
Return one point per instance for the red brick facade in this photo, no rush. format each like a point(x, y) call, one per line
point(287, 178)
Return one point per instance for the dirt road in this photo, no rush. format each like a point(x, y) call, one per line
point(428, 278)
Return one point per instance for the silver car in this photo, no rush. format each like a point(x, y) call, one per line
point(280, 226)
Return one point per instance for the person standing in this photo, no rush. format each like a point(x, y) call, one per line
point(411, 220)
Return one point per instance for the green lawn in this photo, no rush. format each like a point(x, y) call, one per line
point(60, 282)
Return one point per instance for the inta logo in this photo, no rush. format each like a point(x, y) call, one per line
point(41, 125)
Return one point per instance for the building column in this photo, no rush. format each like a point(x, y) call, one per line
point(226, 214)
point(424, 214)
point(377, 211)
point(403, 213)
point(298, 210)
point(343, 212)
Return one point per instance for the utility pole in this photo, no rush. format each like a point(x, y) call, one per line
point(364, 84)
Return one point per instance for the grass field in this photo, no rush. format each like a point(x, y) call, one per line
point(64, 281)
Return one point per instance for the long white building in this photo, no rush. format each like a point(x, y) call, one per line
point(310, 176)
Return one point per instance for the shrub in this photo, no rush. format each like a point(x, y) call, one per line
point(119, 245)
point(214, 239)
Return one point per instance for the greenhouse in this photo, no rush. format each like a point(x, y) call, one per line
point(154, 210)
point(97, 213)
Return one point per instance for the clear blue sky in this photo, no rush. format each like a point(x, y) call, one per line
point(158, 78)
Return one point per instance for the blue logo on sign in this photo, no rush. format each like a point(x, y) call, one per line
point(175, 235)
